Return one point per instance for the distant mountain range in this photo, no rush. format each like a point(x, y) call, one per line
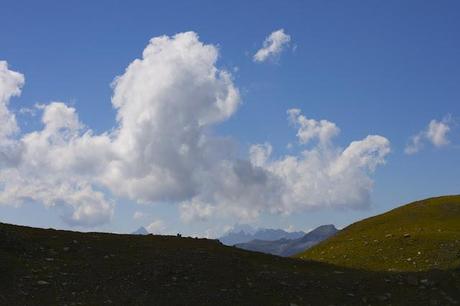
point(289, 247)
point(245, 233)
point(140, 231)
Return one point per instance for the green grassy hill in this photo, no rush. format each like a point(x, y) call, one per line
point(420, 236)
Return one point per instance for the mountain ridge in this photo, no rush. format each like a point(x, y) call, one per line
point(244, 233)
point(288, 247)
point(140, 231)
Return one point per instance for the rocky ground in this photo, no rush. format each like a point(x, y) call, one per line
point(48, 267)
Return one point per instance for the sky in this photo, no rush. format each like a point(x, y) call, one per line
point(192, 117)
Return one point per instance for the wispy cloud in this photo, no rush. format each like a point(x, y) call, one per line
point(139, 215)
point(436, 133)
point(156, 227)
point(272, 46)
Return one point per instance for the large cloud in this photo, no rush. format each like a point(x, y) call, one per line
point(163, 149)
point(166, 102)
point(55, 167)
point(322, 176)
point(48, 166)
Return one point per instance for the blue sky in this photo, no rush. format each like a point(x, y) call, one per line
point(384, 68)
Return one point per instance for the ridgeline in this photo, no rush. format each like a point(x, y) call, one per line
point(53, 267)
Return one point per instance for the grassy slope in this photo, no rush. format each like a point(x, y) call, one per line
point(48, 267)
point(419, 236)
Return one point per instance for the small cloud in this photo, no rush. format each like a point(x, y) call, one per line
point(28, 111)
point(436, 133)
point(259, 154)
point(138, 215)
point(272, 46)
point(415, 144)
point(41, 106)
point(310, 129)
point(195, 210)
point(156, 227)
point(32, 111)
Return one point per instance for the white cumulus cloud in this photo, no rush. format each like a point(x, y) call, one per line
point(323, 176)
point(167, 101)
point(56, 165)
point(272, 46)
point(163, 149)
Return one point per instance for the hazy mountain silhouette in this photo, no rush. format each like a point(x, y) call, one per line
point(289, 247)
point(140, 231)
point(245, 233)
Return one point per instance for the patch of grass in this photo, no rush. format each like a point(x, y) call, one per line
point(420, 236)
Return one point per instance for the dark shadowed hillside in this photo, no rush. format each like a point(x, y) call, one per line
point(49, 267)
point(419, 236)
